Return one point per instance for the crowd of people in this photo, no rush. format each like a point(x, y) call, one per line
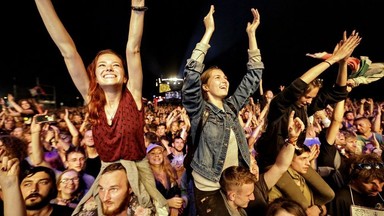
point(308, 149)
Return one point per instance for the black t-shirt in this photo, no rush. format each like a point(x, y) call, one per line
point(59, 210)
point(93, 166)
point(342, 202)
point(259, 205)
point(326, 158)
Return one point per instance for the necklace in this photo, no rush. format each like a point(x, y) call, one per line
point(111, 115)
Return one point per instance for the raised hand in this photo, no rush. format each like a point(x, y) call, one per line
point(295, 126)
point(345, 47)
point(209, 22)
point(251, 27)
point(9, 170)
point(35, 127)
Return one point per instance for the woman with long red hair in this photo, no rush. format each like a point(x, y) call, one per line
point(114, 101)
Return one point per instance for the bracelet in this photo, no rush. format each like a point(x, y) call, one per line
point(321, 209)
point(291, 141)
point(328, 62)
point(139, 8)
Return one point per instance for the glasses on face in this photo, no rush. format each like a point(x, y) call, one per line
point(67, 180)
point(369, 166)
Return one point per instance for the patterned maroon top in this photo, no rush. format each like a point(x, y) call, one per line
point(124, 139)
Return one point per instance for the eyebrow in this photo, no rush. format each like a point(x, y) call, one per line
point(112, 186)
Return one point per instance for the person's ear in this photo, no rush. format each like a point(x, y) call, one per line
point(205, 87)
point(231, 196)
point(66, 164)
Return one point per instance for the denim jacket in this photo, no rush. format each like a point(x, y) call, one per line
point(208, 160)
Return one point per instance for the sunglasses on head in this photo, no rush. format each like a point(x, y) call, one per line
point(369, 166)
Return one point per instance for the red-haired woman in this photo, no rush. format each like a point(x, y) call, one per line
point(114, 101)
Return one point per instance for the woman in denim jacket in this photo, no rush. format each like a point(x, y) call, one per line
point(222, 142)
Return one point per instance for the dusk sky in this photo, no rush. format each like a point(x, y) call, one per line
point(289, 29)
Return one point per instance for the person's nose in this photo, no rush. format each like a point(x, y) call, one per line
point(309, 101)
point(109, 67)
point(380, 187)
point(307, 162)
point(106, 196)
point(78, 163)
point(34, 188)
point(252, 197)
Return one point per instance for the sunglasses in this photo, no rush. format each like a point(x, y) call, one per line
point(369, 166)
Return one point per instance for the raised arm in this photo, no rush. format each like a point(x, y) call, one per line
point(17, 107)
point(37, 149)
point(342, 75)
point(209, 26)
point(377, 119)
point(337, 119)
point(251, 80)
point(285, 156)
point(192, 98)
point(135, 70)
point(65, 44)
point(251, 29)
point(9, 183)
point(72, 129)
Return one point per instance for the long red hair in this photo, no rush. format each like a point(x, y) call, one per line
point(95, 92)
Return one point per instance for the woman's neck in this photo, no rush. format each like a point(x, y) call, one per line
point(65, 196)
point(217, 102)
point(111, 105)
point(112, 98)
point(157, 169)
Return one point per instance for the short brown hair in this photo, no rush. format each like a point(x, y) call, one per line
point(235, 176)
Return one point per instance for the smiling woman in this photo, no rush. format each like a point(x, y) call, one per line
point(220, 142)
point(114, 102)
point(70, 188)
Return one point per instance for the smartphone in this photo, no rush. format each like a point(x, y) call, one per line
point(45, 118)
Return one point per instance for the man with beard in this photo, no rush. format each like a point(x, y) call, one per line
point(115, 196)
point(38, 187)
point(114, 190)
point(364, 192)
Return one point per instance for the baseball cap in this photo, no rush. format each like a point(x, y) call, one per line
point(152, 146)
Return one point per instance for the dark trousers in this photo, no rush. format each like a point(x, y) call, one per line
point(210, 203)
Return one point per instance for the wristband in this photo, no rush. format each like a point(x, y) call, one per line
point(328, 62)
point(291, 141)
point(139, 8)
